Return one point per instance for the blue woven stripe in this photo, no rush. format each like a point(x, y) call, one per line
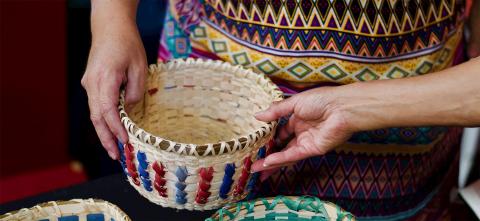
point(122, 157)
point(227, 180)
point(255, 176)
point(96, 217)
point(68, 218)
point(142, 171)
point(180, 194)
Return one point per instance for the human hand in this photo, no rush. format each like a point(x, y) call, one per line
point(117, 57)
point(317, 120)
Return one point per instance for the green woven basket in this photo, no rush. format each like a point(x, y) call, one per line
point(282, 208)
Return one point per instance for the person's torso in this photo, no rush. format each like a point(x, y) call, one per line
point(301, 44)
point(305, 42)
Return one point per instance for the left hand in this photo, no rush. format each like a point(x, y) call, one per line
point(317, 120)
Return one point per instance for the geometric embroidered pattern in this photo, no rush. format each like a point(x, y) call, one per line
point(353, 15)
point(219, 46)
point(397, 73)
point(381, 185)
point(334, 72)
point(357, 29)
point(367, 75)
point(424, 68)
point(298, 43)
point(241, 58)
point(267, 67)
point(313, 69)
point(407, 135)
point(300, 70)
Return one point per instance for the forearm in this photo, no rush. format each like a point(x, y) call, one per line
point(110, 17)
point(449, 97)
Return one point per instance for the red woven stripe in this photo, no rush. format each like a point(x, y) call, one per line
point(242, 181)
point(206, 176)
point(159, 182)
point(132, 169)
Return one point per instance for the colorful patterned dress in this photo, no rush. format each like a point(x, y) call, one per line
point(386, 174)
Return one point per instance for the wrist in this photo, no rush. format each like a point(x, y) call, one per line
point(115, 8)
point(362, 106)
point(116, 18)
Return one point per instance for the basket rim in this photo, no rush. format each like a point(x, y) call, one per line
point(236, 208)
point(67, 202)
point(208, 149)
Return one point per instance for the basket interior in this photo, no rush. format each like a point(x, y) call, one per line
point(199, 105)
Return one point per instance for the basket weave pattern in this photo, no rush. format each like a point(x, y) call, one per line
point(283, 208)
point(76, 209)
point(193, 138)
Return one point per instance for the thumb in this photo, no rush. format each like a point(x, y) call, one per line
point(277, 110)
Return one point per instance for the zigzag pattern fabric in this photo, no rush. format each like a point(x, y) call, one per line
point(302, 43)
point(354, 30)
point(387, 174)
point(382, 184)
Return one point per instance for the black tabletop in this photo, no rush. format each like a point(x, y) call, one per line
point(116, 190)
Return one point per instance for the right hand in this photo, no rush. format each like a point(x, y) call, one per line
point(117, 57)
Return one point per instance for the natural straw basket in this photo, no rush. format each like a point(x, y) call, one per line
point(76, 209)
point(193, 137)
point(283, 208)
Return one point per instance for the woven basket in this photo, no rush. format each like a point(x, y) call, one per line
point(282, 208)
point(76, 209)
point(193, 138)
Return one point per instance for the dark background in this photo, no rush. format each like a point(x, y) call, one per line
point(47, 140)
point(84, 144)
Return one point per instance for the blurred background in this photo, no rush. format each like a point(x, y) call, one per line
point(47, 141)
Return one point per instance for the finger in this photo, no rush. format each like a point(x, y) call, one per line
point(135, 87)
point(262, 165)
point(286, 157)
point(317, 143)
point(109, 102)
point(103, 132)
point(294, 152)
point(277, 110)
point(287, 130)
point(257, 166)
point(308, 140)
point(105, 136)
point(269, 172)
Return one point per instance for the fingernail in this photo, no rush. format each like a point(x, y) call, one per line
point(265, 164)
point(259, 113)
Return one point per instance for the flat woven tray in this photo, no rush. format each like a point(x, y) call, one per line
point(71, 210)
point(193, 138)
point(283, 208)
